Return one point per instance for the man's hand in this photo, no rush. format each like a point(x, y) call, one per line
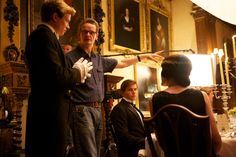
point(156, 57)
point(84, 67)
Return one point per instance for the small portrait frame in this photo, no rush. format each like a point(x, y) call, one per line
point(126, 35)
point(159, 30)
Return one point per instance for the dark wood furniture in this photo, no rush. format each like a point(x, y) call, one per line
point(180, 132)
point(17, 81)
point(205, 30)
point(109, 146)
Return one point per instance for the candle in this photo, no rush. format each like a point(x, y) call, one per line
point(225, 50)
point(234, 49)
point(221, 53)
point(213, 61)
point(215, 54)
point(226, 65)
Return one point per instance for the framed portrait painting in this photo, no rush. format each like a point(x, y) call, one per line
point(125, 25)
point(148, 81)
point(83, 9)
point(159, 31)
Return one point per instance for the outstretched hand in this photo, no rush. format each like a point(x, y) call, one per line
point(156, 57)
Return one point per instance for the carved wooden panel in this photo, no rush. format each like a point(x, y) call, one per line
point(16, 79)
point(205, 30)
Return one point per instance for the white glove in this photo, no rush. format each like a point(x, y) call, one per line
point(84, 67)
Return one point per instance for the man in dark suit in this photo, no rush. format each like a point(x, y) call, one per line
point(50, 79)
point(127, 122)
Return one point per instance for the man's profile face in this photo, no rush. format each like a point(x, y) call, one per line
point(130, 92)
point(62, 24)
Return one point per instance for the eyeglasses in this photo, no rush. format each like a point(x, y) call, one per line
point(85, 32)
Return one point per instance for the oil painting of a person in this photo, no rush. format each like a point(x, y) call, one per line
point(160, 36)
point(159, 32)
point(127, 25)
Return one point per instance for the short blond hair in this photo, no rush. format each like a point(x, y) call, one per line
point(60, 7)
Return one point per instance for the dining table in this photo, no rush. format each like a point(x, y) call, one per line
point(228, 148)
point(159, 151)
point(228, 136)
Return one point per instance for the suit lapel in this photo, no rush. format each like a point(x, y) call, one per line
point(134, 111)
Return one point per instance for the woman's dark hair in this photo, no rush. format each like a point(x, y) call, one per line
point(177, 68)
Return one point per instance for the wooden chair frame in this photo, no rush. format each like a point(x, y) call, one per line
point(171, 123)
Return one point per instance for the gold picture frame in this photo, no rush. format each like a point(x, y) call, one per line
point(148, 80)
point(121, 39)
point(158, 34)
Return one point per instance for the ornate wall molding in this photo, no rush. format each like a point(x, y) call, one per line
point(11, 15)
point(205, 29)
point(99, 15)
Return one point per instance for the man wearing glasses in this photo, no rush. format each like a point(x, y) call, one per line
point(86, 98)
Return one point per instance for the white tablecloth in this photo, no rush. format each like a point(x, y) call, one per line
point(228, 134)
point(228, 148)
point(148, 153)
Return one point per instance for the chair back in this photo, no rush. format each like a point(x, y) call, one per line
point(110, 142)
point(180, 132)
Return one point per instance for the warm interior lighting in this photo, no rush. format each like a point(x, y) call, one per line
point(145, 71)
point(202, 70)
point(221, 53)
point(215, 51)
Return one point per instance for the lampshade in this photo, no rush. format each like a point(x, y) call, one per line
point(202, 73)
point(222, 9)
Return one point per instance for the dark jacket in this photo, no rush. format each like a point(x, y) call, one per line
point(128, 128)
point(48, 108)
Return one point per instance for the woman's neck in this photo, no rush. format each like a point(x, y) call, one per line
point(175, 89)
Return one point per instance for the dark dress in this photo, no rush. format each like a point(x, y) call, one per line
point(47, 108)
point(190, 98)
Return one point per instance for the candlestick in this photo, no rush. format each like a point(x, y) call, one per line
point(226, 65)
point(234, 49)
point(227, 72)
point(221, 53)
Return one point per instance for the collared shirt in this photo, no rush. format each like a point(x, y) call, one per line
point(52, 29)
point(93, 88)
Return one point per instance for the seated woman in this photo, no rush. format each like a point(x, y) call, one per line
point(175, 75)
